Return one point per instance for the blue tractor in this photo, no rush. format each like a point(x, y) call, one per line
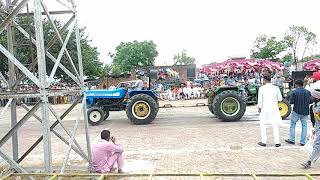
point(141, 106)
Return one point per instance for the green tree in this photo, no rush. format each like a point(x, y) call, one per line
point(299, 41)
point(287, 58)
point(91, 65)
point(183, 58)
point(266, 47)
point(134, 54)
point(308, 58)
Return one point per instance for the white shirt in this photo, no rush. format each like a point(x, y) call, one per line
point(312, 86)
point(139, 85)
point(185, 90)
point(268, 97)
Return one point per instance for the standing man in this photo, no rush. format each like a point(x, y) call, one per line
point(106, 153)
point(300, 98)
point(315, 93)
point(268, 97)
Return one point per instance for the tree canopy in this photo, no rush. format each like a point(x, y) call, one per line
point(91, 64)
point(266, 47)
point(134, 54)
point(299, 41)
point(183, 58)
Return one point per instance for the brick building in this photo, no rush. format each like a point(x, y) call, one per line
point(186, 72)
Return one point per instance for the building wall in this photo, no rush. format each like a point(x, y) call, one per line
point(181, 69)
point(106, 83)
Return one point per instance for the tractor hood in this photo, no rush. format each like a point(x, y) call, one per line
point(103, 93)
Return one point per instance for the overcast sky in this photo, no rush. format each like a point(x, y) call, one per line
point(209, 30)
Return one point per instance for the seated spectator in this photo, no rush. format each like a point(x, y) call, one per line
point(106, 153)
point(112, 87)
point(170, 95)
point(231, 82)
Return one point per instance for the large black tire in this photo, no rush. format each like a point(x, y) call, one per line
point(210, 107)
point(106, 115)
point(142, 109)
point(284, 108)
point(95, 116)
point(220, 106)
point(210, 96)
point(157, 108)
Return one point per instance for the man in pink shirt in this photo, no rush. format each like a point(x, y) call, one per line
point(106, 153)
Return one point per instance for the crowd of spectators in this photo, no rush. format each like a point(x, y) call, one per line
point(32, 88)
point(177, 91)
point(196, 90)
point(183, 93)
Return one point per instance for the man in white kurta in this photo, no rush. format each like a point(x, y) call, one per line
point(268, 97)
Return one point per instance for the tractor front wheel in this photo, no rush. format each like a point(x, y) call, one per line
point(284, 108)
point(106, 115)
point(95, 116)
point(229, 106)
point(142, 109)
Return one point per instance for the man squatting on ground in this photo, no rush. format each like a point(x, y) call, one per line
point(106, 153)
point(300, 98)
point(268, 97)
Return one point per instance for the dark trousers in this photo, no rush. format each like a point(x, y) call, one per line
point(312, 116)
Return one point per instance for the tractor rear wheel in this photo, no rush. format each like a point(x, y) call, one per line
point(142, 109)
point(210, 106)
point(229, 106)
point(210, 95)
point(106, 115)
point(95, 116)
point(284, 108)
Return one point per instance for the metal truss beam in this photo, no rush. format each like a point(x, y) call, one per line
point(309, 176)
point(51, 127)
point(60, 38)
point(6, 95)
point(9, 11)
point(72, 138)
point(14, 2)
point(12, 163)
point(16, 62)
point(65, 5)
point(34, 115)
point(4, 79)
point(26, 34)
point(10, 17)
point(55, 37)
point(78, 44)
point(74, 148)
point(63, 49)
point(51, 12)
point(41, 56)
point(19, 124)
point(51, 42)
point(5, 108)
point(68, 133)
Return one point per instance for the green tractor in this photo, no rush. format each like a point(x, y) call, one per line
point(229, 103)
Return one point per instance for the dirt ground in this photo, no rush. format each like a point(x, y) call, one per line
point(180, 140)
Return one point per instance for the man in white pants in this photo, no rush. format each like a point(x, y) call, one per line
point(268, 97)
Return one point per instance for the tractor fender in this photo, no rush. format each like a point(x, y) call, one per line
point(147, 92)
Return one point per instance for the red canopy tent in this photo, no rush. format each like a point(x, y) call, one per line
point(313, 65)
point(242, 65)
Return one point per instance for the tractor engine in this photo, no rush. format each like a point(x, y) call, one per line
point(110, 104)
